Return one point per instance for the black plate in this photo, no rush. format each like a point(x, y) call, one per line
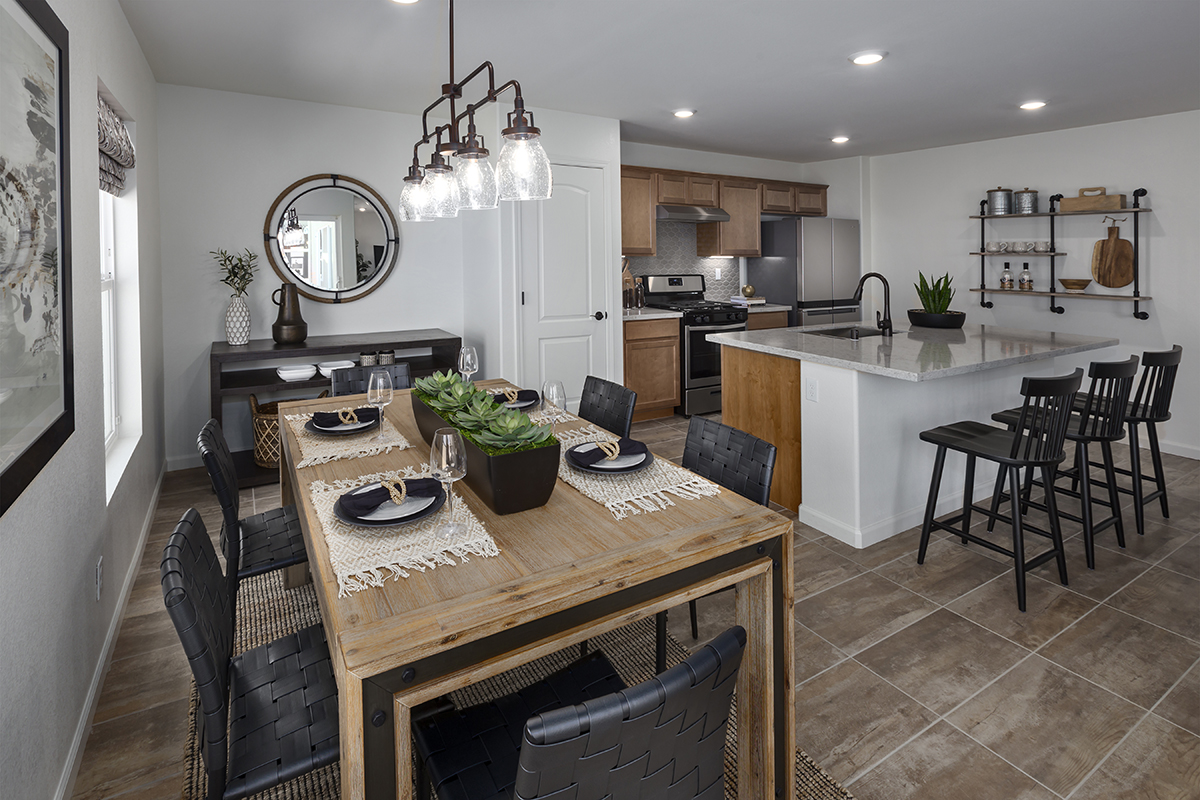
point(570, 456)
point(430, 509)
point(311, 428)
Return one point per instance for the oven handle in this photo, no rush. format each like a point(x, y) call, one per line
point(730, 328)
point(812, 312)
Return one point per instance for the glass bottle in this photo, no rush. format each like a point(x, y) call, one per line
point(1026, 278)
point(1006, 277)
point(639, 293)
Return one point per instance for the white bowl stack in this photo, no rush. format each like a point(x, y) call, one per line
point(296, 372)
point(327, 367)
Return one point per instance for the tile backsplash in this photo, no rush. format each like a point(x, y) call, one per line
point(677, 256)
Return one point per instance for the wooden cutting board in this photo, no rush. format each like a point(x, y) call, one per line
point(1112, 260)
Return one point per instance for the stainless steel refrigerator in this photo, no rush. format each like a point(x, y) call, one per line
point(811, 264)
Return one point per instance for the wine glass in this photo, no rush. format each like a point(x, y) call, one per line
point(448, 463)
point(468, 362)
point(379, 394)
point(554, 394)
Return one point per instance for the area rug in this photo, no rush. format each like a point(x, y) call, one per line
point(267, 611)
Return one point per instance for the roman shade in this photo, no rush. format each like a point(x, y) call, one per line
point(116, 149)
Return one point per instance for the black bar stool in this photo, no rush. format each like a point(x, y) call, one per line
point(1037, 442)
point(1100, 418)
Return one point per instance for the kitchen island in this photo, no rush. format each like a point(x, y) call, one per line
point(846, 414)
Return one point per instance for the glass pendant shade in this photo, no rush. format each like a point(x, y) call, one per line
point(414, 205)
point(523, 170)
point(476, 182)
point(440, 186)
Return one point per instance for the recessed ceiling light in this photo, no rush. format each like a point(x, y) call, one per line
point(1032, 105)
point(405, 2)
point(684, 113)
point(840, 139)
point(868, 57)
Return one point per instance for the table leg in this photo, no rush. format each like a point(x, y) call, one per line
point(350, 714)
point(756, 691)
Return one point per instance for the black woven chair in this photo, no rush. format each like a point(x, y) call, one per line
point(731, 458)
point(1099, 419)
point(257, 544)
point(664, 738)
point(353, 380)
point(278, 701)
point(1035, 443)
point(607, 404)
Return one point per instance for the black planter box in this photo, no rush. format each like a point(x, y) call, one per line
point(924, 319)
point(508, 483)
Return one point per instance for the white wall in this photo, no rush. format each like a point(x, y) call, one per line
point(920, 202)
point(225, 157)
point(659, 157)
point(56, 634)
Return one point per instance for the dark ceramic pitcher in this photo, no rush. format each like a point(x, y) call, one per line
point(289, 327)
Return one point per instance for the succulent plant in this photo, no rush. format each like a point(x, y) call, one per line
point(454, 397)
point(437, 383)
point(935, 297)
point(480, 412)
point(512, 429)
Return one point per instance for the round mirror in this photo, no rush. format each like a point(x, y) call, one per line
point(333, 237)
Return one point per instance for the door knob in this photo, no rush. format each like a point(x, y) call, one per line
point(601, 315)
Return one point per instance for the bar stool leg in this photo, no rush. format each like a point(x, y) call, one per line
point(968, 496)
point(1014, 479)
point(1114, 497)
point(1001, 474)
point(939, 461)
point(1135, 468)
point(1085, 501)
point(1159, 479)
point(1060, 556)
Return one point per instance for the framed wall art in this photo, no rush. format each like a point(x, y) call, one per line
point(37, 399)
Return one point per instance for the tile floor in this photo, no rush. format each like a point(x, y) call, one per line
point(912, 681)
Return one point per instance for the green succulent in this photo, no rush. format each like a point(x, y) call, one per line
point(479, 413)
point(453, 398)
point(512, 429)
point(438, 382)
point(935, 298)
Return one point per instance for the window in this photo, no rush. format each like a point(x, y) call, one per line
point(108, 318)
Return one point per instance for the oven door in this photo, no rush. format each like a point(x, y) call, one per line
point(702, 358)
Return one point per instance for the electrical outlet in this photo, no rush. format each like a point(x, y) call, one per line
point(718, 273)
point(811, 390)
point(99, 576)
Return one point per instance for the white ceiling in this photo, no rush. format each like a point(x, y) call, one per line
point(769, 78)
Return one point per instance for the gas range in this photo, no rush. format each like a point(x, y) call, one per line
point(685, 293)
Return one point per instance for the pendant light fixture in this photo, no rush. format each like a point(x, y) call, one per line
point(439, 190)
point(293, 234)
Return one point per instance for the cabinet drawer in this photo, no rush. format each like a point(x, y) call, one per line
point(651, 329)
point(766, 319)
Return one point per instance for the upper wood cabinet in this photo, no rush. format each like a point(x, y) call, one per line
point(741, 236)
point(681, 189)
point(637, 212)
point(792, 198)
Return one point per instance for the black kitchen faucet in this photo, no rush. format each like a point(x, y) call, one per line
point(885, 323)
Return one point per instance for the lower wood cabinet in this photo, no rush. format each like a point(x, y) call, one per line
point(758, 321)
point(652, 353)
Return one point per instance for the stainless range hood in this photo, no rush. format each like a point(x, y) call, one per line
point(690, 214)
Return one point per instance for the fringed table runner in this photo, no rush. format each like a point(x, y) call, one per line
point(645, 491)
point(363, 557)
point(318, 449)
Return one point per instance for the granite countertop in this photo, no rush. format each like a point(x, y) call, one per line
point(631, 314)
point(915, 354)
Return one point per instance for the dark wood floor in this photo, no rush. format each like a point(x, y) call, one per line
point(912, 682)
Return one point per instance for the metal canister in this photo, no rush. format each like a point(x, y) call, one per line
point(1026, 201)
point(1000, 201)
point(386, 357)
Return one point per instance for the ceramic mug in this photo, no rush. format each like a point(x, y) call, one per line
point(1041, 247)
point(1020, 247)
point(996, 247)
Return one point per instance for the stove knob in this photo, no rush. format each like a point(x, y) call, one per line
point(701, 318)
point(739, 316)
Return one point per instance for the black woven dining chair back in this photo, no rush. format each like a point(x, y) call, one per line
point(664, 738)
point(354, 380)
point(214, 450)
point(734, 459)
point(609, 405)
point(1102, 413)
point(1045, 415)
point(1152, 402)
point(197, 600)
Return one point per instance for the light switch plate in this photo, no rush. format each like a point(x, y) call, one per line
point(718, 273)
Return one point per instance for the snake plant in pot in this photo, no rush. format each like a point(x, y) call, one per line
point(512, 464)
point(935, 300)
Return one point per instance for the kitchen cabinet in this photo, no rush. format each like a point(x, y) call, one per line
point(740, 235)
point(652, 368)
point(638, 193)
point(681, 189)
point(792, 198)
point(762, 320)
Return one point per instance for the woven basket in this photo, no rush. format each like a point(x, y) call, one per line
point(265, 421)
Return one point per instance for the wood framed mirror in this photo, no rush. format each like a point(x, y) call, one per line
point(333, 237)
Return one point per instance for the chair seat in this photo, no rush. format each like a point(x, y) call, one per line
point(473, 754)
point(980, 439)
point(271, 540)
point(1010, 417)
point(1131, 415)
point(283, 712)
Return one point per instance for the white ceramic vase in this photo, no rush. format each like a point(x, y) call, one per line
point(237, 321)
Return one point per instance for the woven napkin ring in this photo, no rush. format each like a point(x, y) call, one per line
point(510, 393)
point(347, 416)
point(397, 490)
point(611, 449)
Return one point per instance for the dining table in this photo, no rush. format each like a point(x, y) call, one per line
point(562, 573)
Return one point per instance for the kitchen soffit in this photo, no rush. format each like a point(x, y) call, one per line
point(772, 77)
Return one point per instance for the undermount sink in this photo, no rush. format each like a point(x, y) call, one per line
point(851, 332)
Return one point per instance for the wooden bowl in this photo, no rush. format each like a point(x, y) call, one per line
point(1075, 285)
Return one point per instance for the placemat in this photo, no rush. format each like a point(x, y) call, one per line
point(642, 492)
point(364, 557)
point(317, 449)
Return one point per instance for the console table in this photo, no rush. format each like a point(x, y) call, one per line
point(226, 380)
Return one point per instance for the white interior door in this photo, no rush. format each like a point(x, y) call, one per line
point(563, 253)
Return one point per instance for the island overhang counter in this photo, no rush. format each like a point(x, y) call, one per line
point(846, 414)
